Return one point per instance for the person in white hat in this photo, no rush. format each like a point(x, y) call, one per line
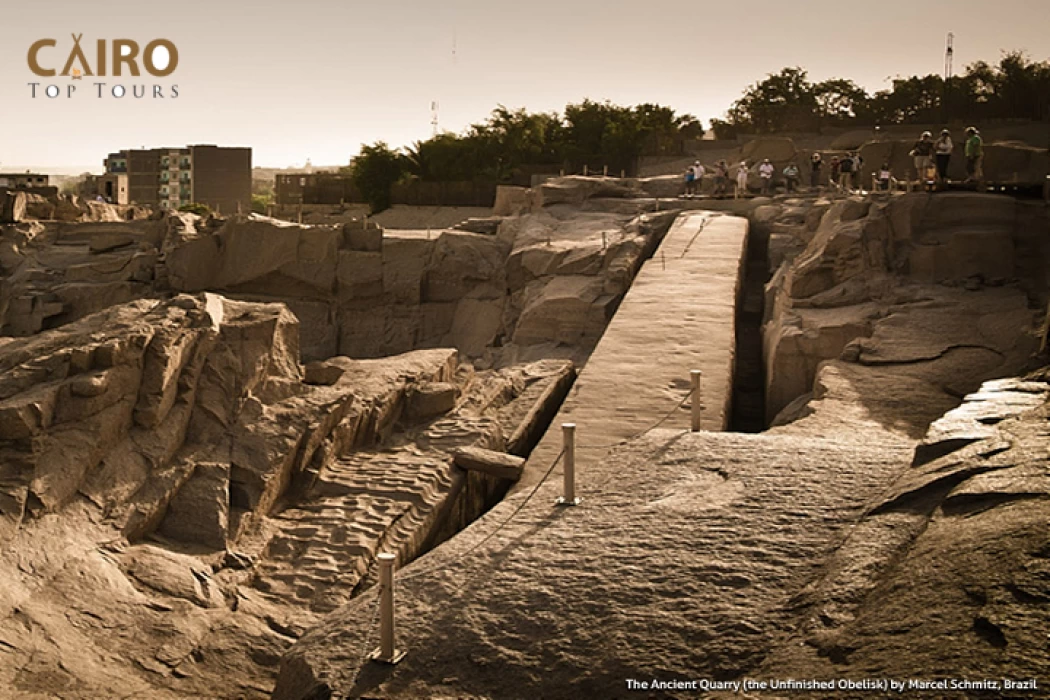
point(741, 180)
point(974, 155)
point(765, 171)
point(698, 175)
point(942, 151)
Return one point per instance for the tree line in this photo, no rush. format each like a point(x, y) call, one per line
point(1015, 88)
point(512, 143)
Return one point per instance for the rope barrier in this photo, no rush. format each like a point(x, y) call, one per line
point(477, 545)
point(391, 579)
point(363, 651)
point(643, 431)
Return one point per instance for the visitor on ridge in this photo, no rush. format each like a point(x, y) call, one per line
point(846, 174)
point(929, 178)
point(816, 163)
point(885, 177)
point(922, 152)
point(721, 178)
point(698, 176)
point(858, 163)
point(690, 181)
point(765, 171)
point(741, 180)
point(942, 149)
point(791, 176)
point(835, 164)
point(974, 152)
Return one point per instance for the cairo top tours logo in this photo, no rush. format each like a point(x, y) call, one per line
point(123, 63)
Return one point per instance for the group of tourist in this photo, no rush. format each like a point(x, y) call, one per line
point(933, 156)
point(695, 172)
point(931, 159)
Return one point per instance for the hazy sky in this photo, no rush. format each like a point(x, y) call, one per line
point(314, 79)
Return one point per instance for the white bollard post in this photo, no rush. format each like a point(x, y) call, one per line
point(585, 171)
point(568, 435)
point(605, 171)
point(386, 653)
point(696, 406)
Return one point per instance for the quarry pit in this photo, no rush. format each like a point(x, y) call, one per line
point(210, 427)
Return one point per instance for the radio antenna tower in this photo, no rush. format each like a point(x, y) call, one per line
point(949, 55)
point(434, 117)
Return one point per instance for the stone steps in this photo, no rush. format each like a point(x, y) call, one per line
point(326, 544)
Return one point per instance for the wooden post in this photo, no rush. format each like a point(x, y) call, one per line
point(696, 406)
point(605, 171)
point(585, 170)
point(386, 653)
point(568, 436)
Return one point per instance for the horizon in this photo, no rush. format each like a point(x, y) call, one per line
point(291, 89)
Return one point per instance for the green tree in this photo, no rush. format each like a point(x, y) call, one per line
point(375, 171)
point(783, 101)
point(839, 100)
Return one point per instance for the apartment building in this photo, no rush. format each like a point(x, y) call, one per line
point(169, 178)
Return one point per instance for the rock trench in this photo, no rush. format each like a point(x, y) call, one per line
point(181, 499)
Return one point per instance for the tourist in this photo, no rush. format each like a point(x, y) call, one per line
point(885, 177)
point(690, 181)
point(929, 178)
point(791, 177)
point(836, 163)
point(815, 164)
point(721, 178)
point(942, 151)
point(698, 176)
point(922, 152)
point(765, 171)
point(858, 163)
point(741, 180)
point(974, 152)
point(846, 174)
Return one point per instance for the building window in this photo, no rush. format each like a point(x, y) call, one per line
point(184, 163)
